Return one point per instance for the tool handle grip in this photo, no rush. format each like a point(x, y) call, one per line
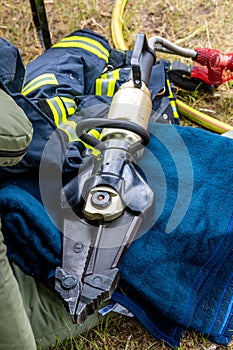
point(142, 61)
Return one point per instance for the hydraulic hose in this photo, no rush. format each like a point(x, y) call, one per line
point(116, 25)
point(202, 119)
point(190, 113)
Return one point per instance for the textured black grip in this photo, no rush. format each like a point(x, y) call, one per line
point(85, 125)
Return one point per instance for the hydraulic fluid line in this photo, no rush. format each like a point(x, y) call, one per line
point(188, 112)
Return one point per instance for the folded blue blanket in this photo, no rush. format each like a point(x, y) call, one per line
point(33, 242)
point(177, 275)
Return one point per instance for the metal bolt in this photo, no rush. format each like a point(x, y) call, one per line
point(101, 199)
point(78, 247)
point(97, 280)
point(69, 281)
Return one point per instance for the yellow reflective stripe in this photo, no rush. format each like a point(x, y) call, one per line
point(70, 105)
point(104, 76)
point(66, 132)
point(81, 46)
point(105, 87)
point(113, 74)
point(169, 89)
point(172, 102)
point(61, 107)
point(105, 84)
point(174, 110)
point(69, 127)
point(41, 80)
point(111, 87)
point(88, 40)
point(84, 47)
point(84, 43)
point(98, 87)
point(57, 108)
point(116, 73)
point(96, 134)
point(54, 112)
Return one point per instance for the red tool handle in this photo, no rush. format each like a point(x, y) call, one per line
point(214, 66)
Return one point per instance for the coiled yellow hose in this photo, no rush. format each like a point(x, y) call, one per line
point(188, 112)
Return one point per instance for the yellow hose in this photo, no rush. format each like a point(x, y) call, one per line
point(188, 112)
point(116, 25)
point(202, 119)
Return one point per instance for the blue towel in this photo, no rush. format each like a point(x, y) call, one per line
point(33, 242)
point(177, 274)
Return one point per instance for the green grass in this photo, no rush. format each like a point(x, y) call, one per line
point(119, 333)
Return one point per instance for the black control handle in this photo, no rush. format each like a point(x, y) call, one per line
point(142, 61)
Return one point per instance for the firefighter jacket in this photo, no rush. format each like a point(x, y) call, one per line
point(75, 78)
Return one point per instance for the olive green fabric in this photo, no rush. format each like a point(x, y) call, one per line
point(32, 315)
point(15, 329)
point(15, 131)
point(47, 314)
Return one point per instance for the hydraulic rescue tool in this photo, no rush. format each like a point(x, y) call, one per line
point(107, 203)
